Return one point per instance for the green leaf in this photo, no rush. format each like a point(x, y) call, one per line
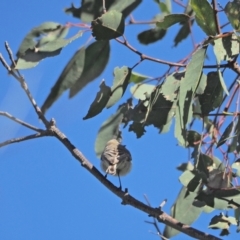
point(99, 102)
point(151, 35)
point(44, 30)
point(189, 85)
point(32, 59)
point(237, 216)
point(222, 199)
point(124, 6)
point(109, 130)
point(183, 210)
point(222, 222)
point(184, 31)
point(203, 163)
point(193, 138)
point(236, 165)
point(109, 26)
point(226, 135)
point(202, 84)
point(179, 132)
point(190, 180)
point(218, 179)
point(138, 77)
point(226, 48)
point(44, 41)
point(205, 16)
point(137, 128)
point(233, 144)
point(172, 19)
point(120, 83)
point(96, 59)
point(67, 78)
point(165, 7)
point(222, 82)
point(232, 10)
point(185, 166)
point(91, 9)
point(58, 43)
point(213, 94)
point(142, 91)
point(159, 110)
point(171, 85)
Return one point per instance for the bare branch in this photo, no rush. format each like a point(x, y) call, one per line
point(4, 63)
point(127, 199)
point(23, 83)
point(6, 114)
point(10, 54)
point(143, 56)
point(25, 138)
point(154, 223)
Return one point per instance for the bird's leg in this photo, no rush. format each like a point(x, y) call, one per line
point(106, 175)
point(120, 187)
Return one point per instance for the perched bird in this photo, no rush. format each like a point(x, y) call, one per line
point(116, 159)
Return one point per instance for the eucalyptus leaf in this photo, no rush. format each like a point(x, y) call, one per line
point(109, 26)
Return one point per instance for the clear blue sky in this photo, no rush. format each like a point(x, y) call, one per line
point(44, 191)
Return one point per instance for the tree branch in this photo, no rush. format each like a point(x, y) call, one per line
point(143, 56)
point(6, 114)
point(127, 199)
point(20, 78)
point(25, 138)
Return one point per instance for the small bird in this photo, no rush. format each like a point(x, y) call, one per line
point(116, 159)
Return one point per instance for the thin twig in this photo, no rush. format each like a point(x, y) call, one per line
point(10, 54)
point(22, 81)
point(6, 114)
point(25, 138)
point(143, 56)
point(154, 223)
point(4, 63)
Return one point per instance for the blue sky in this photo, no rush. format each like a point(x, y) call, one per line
point(44, 191)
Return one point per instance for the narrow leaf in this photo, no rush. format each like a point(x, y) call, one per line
point(137, 77)
point(142, 91)
point(232, 11)
point(172, 19)
point(222, 82)
point(171, 85)
point(183, 210)
point(67, 78)
point(44, 41)
point(151, 35)
point(226, 48)
point(58, 43)
point(226, 135)
point(99, 102)
point(204, 16)
point(213, 94)
point(124, 6)
point(120, 83)
point(96, 59)
point(189, 85)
